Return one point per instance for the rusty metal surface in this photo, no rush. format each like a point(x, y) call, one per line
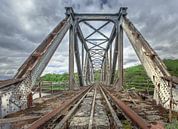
point(154, 66)
point(35, 56)
point(10, 82)
point(113, 113)
point(96, 59)
point(15, 96)
point(18, 119)
point(92, 110)
point(56, 111)
point(129, 112)
point(70, 113)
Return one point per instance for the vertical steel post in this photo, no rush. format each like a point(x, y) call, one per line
point(109, 64)
point(92, 75)
point(114, 61)
point(71, 57)
point(101, 75)
point(171, 101)
point(88, 70)
point(82, 55)
point(120, 57)
point(107, 69)
point(40, 88)
point(85, 68)
point(77, 56)
point(29, 100)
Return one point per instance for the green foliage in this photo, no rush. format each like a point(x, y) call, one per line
point(126, 124)
point(136, 77)
point(172, 66)
point(172, 125)
point(97, 75)
point(56, 77)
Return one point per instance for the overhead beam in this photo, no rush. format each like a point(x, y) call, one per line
point(97, 29)
point(102, 17)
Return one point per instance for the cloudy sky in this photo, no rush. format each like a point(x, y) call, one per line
point(25, 23)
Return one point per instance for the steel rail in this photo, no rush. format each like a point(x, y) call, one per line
point(92, 110)
point(50, 115)
point(69, 114)
point(134, 117)
point(113, 113)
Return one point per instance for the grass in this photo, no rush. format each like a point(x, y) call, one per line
point(126, 124)
point(172, 125)
point(136, 77)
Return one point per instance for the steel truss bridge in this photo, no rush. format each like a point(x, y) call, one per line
point(99, 53)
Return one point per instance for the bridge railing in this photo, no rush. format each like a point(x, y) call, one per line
point(49, 87)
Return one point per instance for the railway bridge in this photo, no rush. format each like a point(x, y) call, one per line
point(91, 51)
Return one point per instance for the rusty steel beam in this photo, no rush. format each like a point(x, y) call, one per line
point(174, 79)
point(92, 110)
point(10, 82)
point(71, 112)
point(31, 70)
point(113, 113)
point(152, 63)
point(135, 118)
point(40, 50)
point(18, 119)
point(40, 122)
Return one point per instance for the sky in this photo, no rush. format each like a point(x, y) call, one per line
point(25, 23)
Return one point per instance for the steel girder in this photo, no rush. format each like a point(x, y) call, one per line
point(15, 95)
point(71, 56)
point(114, 61)
point(14, 98)
point(78, 62)
point(155, 68)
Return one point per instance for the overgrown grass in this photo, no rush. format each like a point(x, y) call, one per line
point(136, 77)
point(172, 125)
point(172, 66)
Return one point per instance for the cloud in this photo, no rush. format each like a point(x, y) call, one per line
point(24, 24)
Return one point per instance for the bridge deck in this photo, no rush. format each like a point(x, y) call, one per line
point(90, 106)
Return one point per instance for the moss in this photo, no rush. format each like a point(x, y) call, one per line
point(126, 124)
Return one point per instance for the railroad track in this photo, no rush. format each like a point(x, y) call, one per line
point(94, 107)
